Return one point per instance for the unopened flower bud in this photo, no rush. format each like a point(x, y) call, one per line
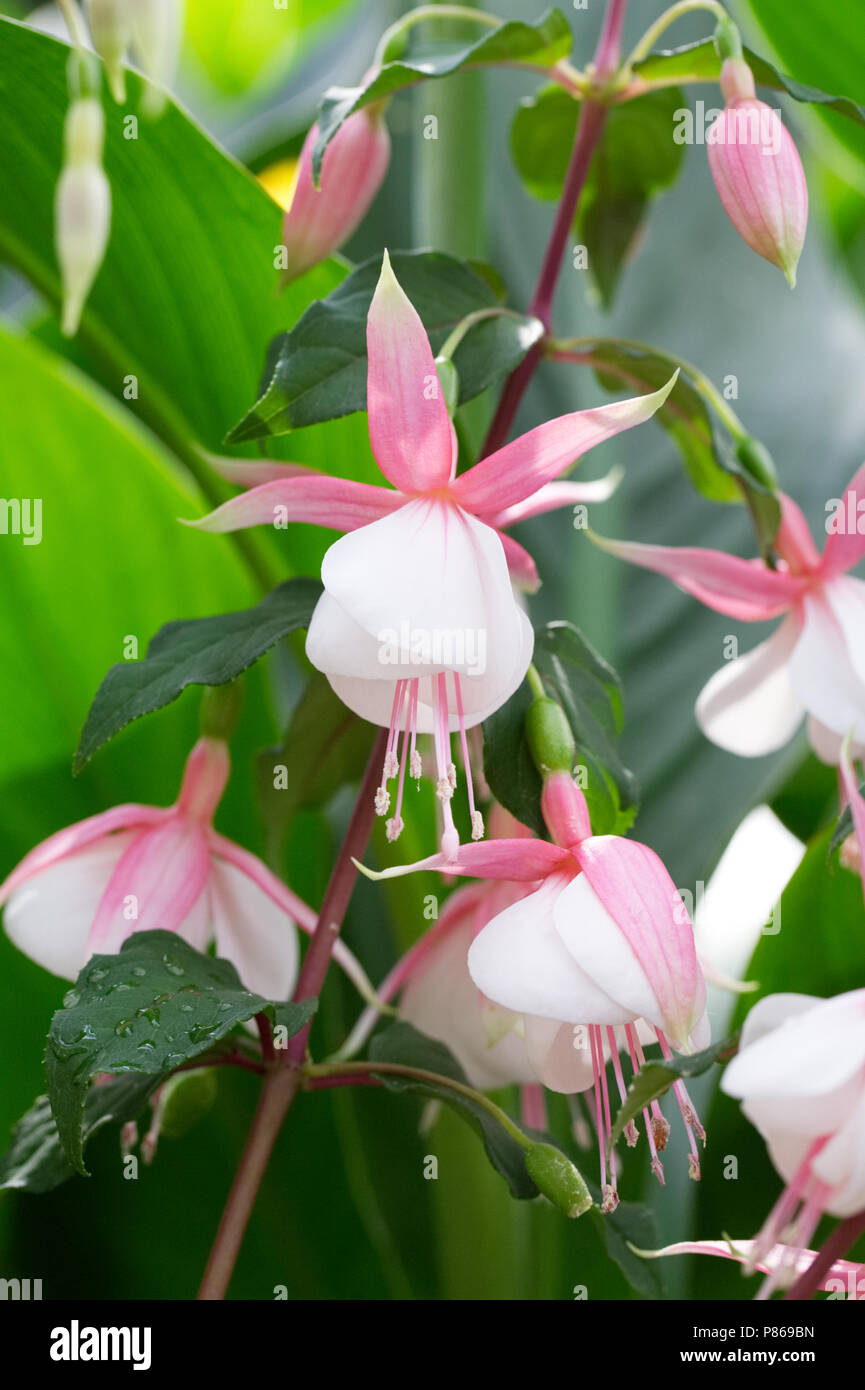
point(82, 208)
point(158, 32)
point(319, 220)
point(111, 31)
point(558, 1179)
point(549, 735)
point(757, 462)
point(757, 171)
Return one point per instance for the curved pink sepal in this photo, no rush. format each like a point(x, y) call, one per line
point(522, 861)
point(845, 546)
point(74, 837)
point(317, 499)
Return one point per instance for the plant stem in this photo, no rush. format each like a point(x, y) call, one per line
point(277, 1093)
point(843, 1236)
point(592, 118)
point(465, 13)
point(337, 895)
point(663, 22)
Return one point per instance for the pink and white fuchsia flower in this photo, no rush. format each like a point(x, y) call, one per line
point(814, 663)
point(140, 868)
point(800, 1074)
point(418, 629)
point(844, 1276)
point(758, 172)
point(602, 944)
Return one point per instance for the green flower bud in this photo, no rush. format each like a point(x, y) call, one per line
point(550, 739)
point(757, 463)
point(558, 1179)
point(728, 40)
point(185, 1099)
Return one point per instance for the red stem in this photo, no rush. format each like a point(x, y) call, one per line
point(843, 1236)
point(592, 117)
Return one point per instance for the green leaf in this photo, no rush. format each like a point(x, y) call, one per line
point(325, 746)
point(635, 159)
point(317, 371)
point(404, 1044)
point(195, 651)
point(36, 1162)
point(590, 694)
point(630, 1224)
point(528, 45)
point(542, 138)
point(655, 1078)
point(149, 1009)
point(699, 62)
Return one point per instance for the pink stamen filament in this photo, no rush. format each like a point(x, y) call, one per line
point(690, 1119)
point(799, 1235)
point(476, 818)
point(533, 1107)
point(635, 1052)
point(631, 1132)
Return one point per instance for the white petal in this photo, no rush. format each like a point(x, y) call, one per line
point(822, 668)
point(559, 1062)
point(520, 961)
point(749, 707)
point(827, 745)
point(50, 916)
point(842, 1163)
point(596, 942)
point(253, 933)
point(809, 1052)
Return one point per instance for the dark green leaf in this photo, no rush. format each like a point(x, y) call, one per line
point(630, 1224)
point(699, 62)
point(655, 1078)
point(292, 1016)
point(35, 1161)
point(542, 137)
point(198, 651)
point(317, 371)
point(808, 800)
point(589, 692)
point(404, 1044)
point(325, 746)
point(147, 1010)
point(530, 45)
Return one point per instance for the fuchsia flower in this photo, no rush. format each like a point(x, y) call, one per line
point(140, 868)
point(318, 220)
point(758, 172)
point(814, 663)
point(800, 1074)
point(418, 629)
point(603, 943)
point(844, 1276)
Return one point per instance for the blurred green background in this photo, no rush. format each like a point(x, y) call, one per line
point(186, 303)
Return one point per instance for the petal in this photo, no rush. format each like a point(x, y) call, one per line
point(155, 884)
point(806, 1051)
point(749, 707)
point(825, 668)
point(75, 837)
point(409, 428)
point(744, 589)
point(794, 542)
point(521, 566)
point(795, 1259)
point(626, 925)
point(257, 936)
point(251, 472)
point(554, 495)
point(520, 961)
point(520, 861)
point(274, 888)
point(558, 1061)
point(841, 1163)
point(845, 546)
point(318, 499)
point(518, 470)
point(49, 917)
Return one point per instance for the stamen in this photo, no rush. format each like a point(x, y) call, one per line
point(391, 766)
point(477, 825)
point(476, 817)
point(394, 828)
point(784, 1208)
point(631, 1133)
point(648, 1120)
point(450, 840)
point(382, 801)
point(687, 1111)
point(416, 762)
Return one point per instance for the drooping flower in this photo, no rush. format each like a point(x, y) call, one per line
point(418, 629)
point(111, 31)
point(813, 664)
point(158, 31)
point(844, 1276)
point(318, 220)
point(603, 945)
point(142, 868)
point(758, 172)
point(82, 208)
point(800, 1074)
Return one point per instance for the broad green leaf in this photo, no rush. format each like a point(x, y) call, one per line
point(537, 45)
point(655, 1078)
point(590, 694)
point(325, 746)
point(542, 137)
point(699, 62)
point(404, 1044)
point(193, 651)
point(36, 1162)
point(630, 1224)
point(185, 299)
point(154, 1006)
point(317, 371)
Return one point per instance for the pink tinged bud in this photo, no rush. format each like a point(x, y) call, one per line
point(82, 208)
point(757, 172)
point(319, 220)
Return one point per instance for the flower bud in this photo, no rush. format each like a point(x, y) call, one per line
point(158, 32)
point(82, 208)
point(551, 742)
point(111, 31)
point(558, 1179)
point(757, 171)
point(319, 220)
point(757, 462)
